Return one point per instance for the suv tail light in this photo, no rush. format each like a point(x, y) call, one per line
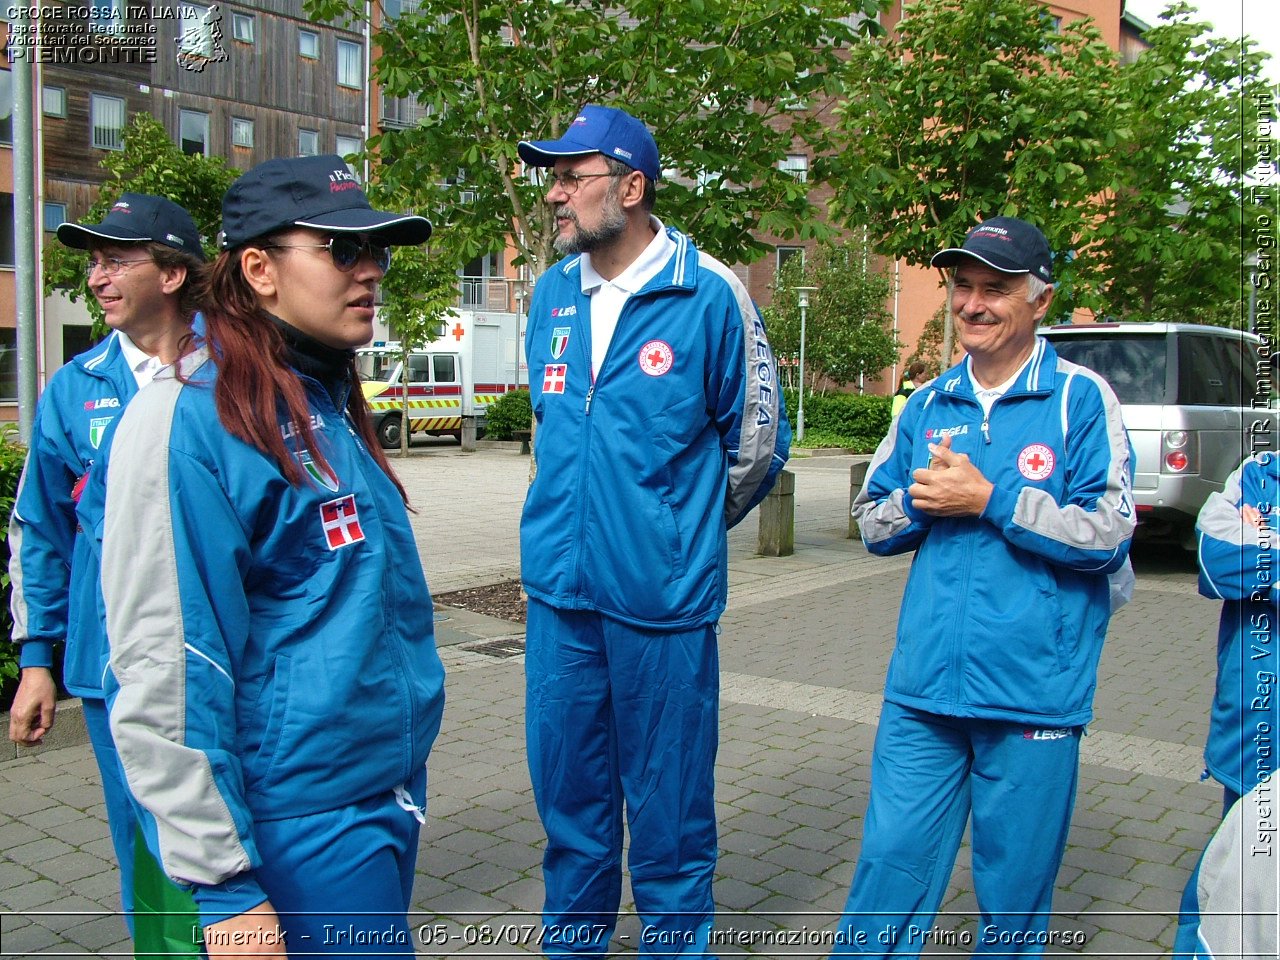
point(1179, 451)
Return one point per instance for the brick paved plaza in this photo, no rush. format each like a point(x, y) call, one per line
point(804, 647)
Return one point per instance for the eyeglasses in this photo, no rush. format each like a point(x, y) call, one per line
point(346, 251)
point(110, 266)
point(570, 182)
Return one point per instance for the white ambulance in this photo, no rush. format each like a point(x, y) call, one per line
point(476, 358)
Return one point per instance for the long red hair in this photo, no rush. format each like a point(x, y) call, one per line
point(254, 377)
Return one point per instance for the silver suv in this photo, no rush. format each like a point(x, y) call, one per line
point(1196, 400)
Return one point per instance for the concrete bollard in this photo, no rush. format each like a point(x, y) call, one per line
point(778, 518)
point(857, 477)
point(469, 434)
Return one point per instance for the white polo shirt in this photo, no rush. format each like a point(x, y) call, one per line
point(143, 365)
point(609, 296)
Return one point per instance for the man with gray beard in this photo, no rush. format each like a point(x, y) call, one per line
point(660, 425)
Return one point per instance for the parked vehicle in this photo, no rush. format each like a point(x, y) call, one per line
point(1196, 400)
point(477, 358)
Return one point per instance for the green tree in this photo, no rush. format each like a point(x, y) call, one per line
point(721, 82)
point(150, 162)
point(972, 109)
point(847, 328)
point(1167, 242)
point(929, 346)
point(416, 294)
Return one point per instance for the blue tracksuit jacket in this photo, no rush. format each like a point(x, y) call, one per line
point(53, 571)
point(1004, 614)
point(273, 643)
point(641, 473)
point(1238, 567)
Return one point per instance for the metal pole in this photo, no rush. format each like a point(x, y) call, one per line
point(520, 295)
point(24, 229)
point(804, 308)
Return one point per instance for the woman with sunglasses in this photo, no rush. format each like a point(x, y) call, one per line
point(271, 629)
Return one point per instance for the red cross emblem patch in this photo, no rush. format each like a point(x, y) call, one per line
point(341, 522)
point(656, 358)
point(553, 378)
point(1036, 461)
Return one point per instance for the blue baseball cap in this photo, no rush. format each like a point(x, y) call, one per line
point(1006, 244)
point(318, 192)
point(138, 218)
point(607, 130)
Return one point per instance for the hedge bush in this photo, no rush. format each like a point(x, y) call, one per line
point(509, 413)
point(856, 421)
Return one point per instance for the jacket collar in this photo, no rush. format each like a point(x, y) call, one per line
point(679, 272)
point(1038, 375)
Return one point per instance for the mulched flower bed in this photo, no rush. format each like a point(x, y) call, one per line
point(503, 600)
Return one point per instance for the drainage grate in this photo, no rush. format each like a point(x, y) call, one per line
point(503, 648)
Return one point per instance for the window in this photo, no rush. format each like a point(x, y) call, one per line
point(309, 44)
point(786, 253)
point(7, 246)
point(475, 285)
point(55, 215)
point(193, 132)
point(106, 118)
point(241, 132)
point(6, 106)
point(106, 16)
point(445, 368)
point(796, 164)
point(55, 101)
point(349, 145)
point(76, 339)
point(242, 27)
point(8, 364)
point(350, 65)
point(308, 143)
point(1211, 372)
point(419, 368)
point(1134, 366)
point(401, 112)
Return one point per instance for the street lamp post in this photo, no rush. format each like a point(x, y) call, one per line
point(521, 293)
point(803, 293)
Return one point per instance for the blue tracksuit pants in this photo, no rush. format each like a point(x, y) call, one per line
point(121, 820)
point(928, 774)
point(616, 717)
point(341, 881)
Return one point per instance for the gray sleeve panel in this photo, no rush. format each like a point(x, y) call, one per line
point(758, 430)
point(17, 595)
point(1220, 517)
point(886, 518)
point(1111, 521)
point(198, 837)
point(1238, 881)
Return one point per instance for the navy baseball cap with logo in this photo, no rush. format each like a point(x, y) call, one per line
point(1006, 244)
point(318, 192)
point(596, 129)
point(138, 218)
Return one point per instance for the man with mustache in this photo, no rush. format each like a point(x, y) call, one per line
point(660, 424)
point(1009, 477)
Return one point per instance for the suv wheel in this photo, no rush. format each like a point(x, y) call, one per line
point(389, 432)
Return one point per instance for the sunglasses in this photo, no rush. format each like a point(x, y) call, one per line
point(345, 250)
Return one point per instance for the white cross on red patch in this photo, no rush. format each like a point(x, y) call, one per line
point(553, 379)
point(341, 522)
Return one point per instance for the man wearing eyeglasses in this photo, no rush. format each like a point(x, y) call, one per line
point(145, 262)
point(660, 425)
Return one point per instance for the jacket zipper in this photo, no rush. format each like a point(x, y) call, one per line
point(362, 464)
